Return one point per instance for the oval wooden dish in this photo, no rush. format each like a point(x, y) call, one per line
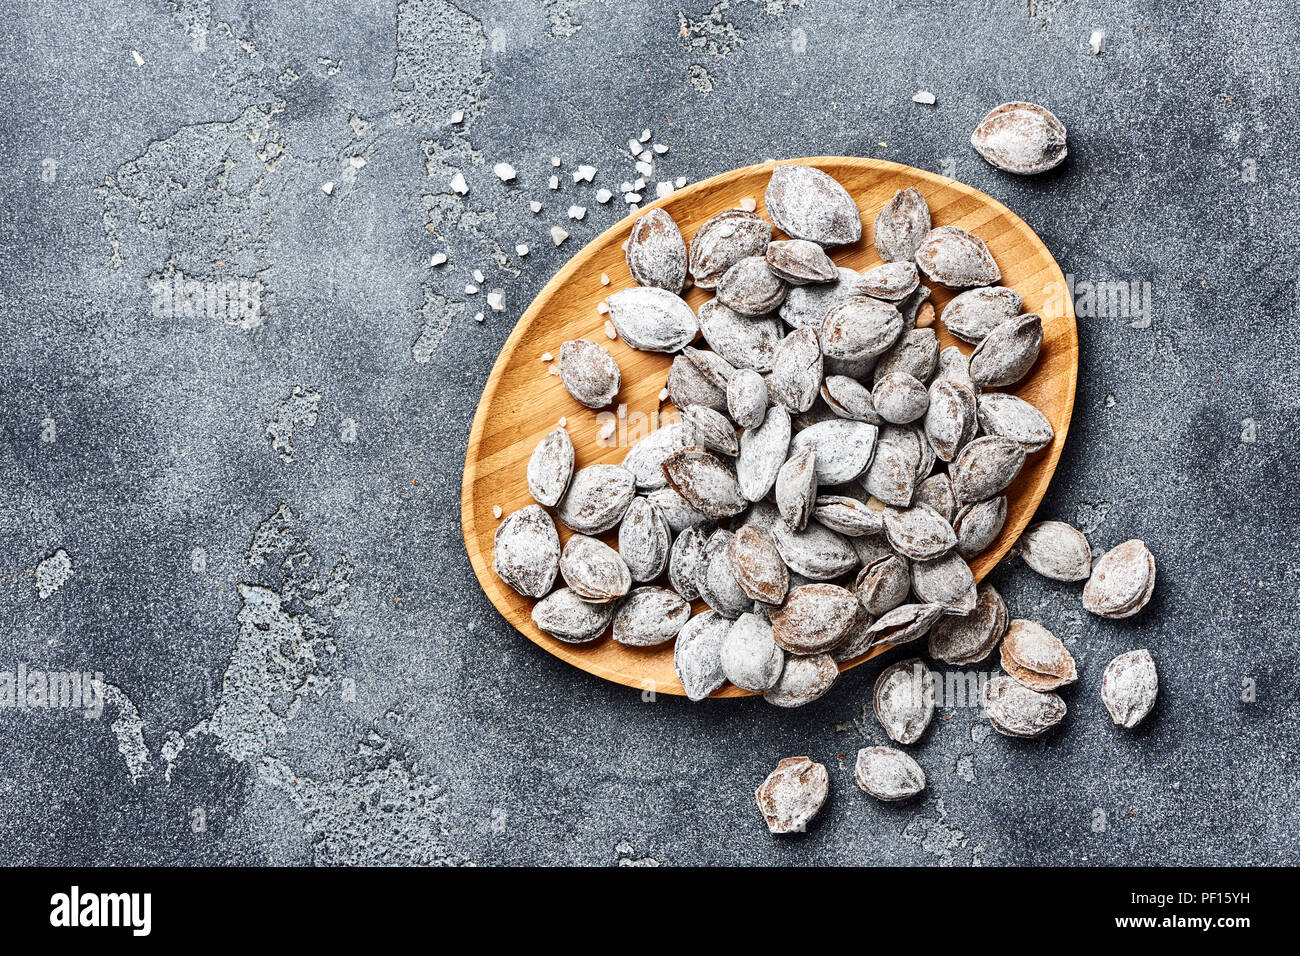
point(522, 402)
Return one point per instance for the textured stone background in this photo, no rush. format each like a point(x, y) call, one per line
point(300, 664)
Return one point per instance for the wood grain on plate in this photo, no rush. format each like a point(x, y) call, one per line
point(522, 402)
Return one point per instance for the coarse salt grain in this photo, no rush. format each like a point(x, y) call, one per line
point(644, 168)
point(584, 174)
point(553, 182)
point(603, 308)
point(632, 198)
point(535, 206)
point(327, 188)
point(521, 249)
point(577, 212)
point(610, 331)
point(663, 188)
point(679, 182)
point(660, 148)
point(547, 357)
point(607, 430)
point(923, 96)
point(645, 135)
point(564, 422)
point(478, 316)
point(604, 279)
point(478, 275)
point(555, 161)
point(496, 511)
point(558, 235)
point(496, 300)
point(437, 259)
point(471, 289)
point(458, 184)
point(663, 395)
point(505, 172)
point(457, 117)
point(748, 204)
point(1097, 41)
point(646, 156)
point(603, 195)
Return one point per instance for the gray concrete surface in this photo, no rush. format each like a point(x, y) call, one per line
point(259, 508)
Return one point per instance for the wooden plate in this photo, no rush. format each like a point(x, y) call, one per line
point(522, 402)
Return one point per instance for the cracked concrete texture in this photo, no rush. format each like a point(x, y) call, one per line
point(300, 408)
point(299, 666)
point(52, 573)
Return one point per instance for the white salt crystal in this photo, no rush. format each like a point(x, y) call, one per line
point(558, 235)
point(577, 212)
point(496, 300)
point(505, 172)
point(923, 96)
point(1097, 41)
point(748, 204)
point(521, 249)
point(458, 184)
